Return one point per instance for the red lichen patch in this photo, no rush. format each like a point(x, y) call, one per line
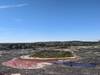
point(2, 73)
point(25, 64)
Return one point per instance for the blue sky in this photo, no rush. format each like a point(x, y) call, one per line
point(49, 20)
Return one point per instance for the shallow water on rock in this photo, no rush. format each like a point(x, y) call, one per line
point(76, 65)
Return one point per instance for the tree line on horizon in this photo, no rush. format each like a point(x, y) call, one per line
point(58, 44)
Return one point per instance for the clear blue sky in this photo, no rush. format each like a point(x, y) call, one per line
point(49, 20)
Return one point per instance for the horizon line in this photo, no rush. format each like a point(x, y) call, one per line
point(52, 41)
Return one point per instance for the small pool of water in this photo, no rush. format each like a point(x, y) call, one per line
point(80, 65)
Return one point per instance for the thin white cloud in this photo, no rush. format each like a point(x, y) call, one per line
point(12, 6)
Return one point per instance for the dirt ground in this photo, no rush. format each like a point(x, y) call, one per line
point(87, 56)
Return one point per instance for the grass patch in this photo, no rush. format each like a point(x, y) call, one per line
point(52, 54)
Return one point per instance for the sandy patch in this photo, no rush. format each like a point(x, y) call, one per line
point(27, 57)
point(16, 74)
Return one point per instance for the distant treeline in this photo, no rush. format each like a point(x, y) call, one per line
point(57, 44)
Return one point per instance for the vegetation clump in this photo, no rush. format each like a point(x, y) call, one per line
point(52, 54)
